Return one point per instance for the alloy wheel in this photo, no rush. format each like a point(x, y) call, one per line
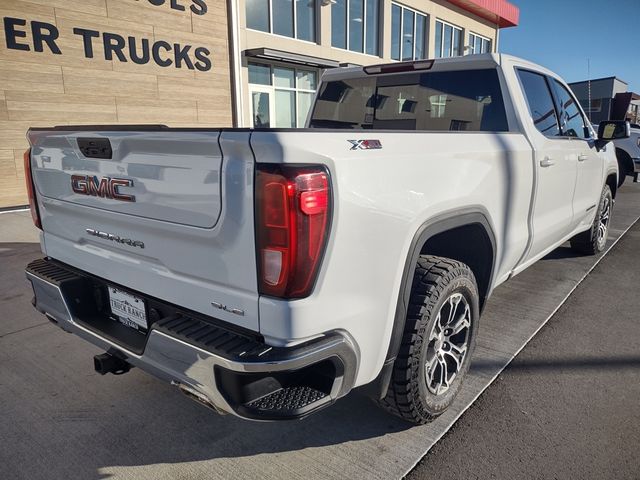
point(603, 222)
point(448, 343)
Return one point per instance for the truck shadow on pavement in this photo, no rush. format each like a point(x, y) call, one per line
point(144, 422)
point(561, 253)
point(83, 425)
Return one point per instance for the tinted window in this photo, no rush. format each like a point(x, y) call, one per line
point(478, 44)
point(447, 40)
point(438, 45)
point(259, 74)
point(371, 40)
point(540, 102)
point(282, 17)
point(455, 52)
point(407, 35)
point(306, 21)
point(572, 122)
point(258, 14)
point(356, 25)
point(361, 18)
point(338, 24)
point(468, 100)
point(408, 30)
point(396, 35)
point(281, 12)
point(421, 28)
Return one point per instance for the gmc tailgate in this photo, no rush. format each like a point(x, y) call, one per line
point(165, 211)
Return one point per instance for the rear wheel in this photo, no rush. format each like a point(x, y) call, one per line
point(594, 240)
point(439, 339)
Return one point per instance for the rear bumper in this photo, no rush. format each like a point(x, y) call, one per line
point(232, 372)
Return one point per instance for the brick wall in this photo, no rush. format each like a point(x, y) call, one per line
point(181, 87)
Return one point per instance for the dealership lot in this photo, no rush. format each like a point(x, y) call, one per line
point(60, 419)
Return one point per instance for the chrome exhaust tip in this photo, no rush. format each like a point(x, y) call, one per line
point(197, 396)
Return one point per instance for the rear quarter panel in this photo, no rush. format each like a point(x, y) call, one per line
point(381, 198)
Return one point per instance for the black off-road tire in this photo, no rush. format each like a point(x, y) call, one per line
point(434, 281)
point(589, 242)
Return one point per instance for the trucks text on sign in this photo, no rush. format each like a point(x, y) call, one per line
point(44, 36)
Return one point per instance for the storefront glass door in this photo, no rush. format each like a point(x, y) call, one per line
point(261, 107)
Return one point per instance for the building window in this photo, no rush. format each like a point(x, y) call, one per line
point(354, 25)
point(289, 18)
point(448, 40)
point(408, 33)
point(280, 96)
point(478, 44)
point(596, 106)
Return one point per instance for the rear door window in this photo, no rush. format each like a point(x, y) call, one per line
point(540, 102)
point(469, 100)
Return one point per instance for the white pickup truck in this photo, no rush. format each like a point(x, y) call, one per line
point(267, 273)
point(628, 154)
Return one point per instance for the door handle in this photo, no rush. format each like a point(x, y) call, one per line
point(582, 157)
point(547, 162)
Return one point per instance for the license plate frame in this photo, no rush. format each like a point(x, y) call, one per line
point(128, 309)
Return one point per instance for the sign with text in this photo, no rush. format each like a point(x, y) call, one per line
point(44, 36)
point(108, 62)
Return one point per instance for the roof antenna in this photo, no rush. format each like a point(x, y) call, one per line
point(589, 87)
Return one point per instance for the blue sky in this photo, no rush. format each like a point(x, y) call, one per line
point(562, 34)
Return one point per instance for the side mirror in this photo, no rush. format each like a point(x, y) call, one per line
point(612, 130)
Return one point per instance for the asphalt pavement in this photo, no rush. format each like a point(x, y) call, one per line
point(568, 406)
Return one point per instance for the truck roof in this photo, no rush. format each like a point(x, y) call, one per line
point(466, 62)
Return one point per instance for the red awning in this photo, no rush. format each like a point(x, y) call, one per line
point(500, 12)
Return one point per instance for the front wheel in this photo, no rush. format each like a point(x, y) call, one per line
point(594, 240)
point(438, 341)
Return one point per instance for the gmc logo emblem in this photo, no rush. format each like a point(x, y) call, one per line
point(105, 187)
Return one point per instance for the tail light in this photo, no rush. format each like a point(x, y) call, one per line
point(293, 208)
point(33, 204)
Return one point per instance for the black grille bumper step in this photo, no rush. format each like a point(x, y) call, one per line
point(212, 338)
point(51, 272)
point(290, 401)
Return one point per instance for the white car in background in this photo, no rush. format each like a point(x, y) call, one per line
point(628, 154)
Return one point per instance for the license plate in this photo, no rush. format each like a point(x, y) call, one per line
point(129, 309)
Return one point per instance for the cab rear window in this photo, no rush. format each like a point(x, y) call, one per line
point(469, 100)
